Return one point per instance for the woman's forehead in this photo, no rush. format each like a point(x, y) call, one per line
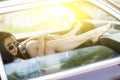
point(10, 40)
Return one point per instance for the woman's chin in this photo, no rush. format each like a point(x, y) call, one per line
point(14, 53)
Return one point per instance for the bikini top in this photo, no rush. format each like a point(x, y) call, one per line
point(22, 48)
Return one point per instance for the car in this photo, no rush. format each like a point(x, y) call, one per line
point(28, 18)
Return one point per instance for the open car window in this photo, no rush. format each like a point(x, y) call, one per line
point(56, 18)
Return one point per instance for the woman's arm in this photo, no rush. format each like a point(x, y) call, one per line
point(36, 47)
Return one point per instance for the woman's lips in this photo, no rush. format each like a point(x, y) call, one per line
point(14, 51)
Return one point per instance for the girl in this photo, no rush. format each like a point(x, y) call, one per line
point(37, 46)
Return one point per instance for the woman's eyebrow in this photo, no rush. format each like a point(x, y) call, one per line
point(14, 42)
point(8, 44)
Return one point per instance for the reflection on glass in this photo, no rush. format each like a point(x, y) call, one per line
point(52, 17)
point(40, 66)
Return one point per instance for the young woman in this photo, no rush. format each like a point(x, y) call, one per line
point(50, 44)
point(45, 44)
point(11, 49)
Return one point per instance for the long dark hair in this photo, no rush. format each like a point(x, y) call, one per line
point(6, 56)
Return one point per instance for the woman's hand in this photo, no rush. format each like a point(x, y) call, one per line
point(51, 36)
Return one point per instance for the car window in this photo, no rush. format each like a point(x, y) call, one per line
point(97, 13)
point(55, 17)
point(40, 18)
point(115, 2)
point(52, 17)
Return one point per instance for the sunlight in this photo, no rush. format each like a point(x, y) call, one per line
point(40, 18)
point(57, 17)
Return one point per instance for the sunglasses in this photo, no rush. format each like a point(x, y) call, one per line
point(11, 47)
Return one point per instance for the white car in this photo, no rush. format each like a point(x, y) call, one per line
point(25, 18)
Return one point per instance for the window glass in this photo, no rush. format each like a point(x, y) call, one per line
point(116, 2)
point(40, 18)
point(53, 17)
point(96, 13)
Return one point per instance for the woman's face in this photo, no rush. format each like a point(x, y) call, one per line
point(11, 45)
